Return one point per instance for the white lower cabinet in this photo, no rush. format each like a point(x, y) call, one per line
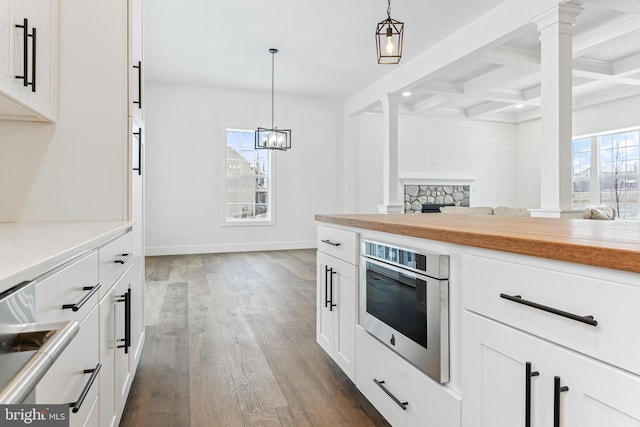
point(399, 391)
point(507, 371)
point(336, 310)
point(74, 378)
point(114, 355)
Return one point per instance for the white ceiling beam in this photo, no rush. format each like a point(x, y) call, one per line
point(610, 30)
point(431, 102)
point(441, 87)
point(498, 77)
point(598, 70)
point(606, 96)
point(485, 108)
point(506, 55)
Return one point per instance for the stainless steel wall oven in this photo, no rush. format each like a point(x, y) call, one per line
point(404, 303)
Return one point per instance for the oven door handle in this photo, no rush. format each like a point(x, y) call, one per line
point(407, 273)
point(23, 382)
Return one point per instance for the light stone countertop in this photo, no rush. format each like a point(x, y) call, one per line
point(28, 250)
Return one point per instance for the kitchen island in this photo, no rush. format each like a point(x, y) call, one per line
point(610, 244)
point(542, 314)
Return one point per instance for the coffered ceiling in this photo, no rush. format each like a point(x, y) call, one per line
point(503, 83)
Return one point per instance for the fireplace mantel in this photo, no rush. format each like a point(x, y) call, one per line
point(436, 181)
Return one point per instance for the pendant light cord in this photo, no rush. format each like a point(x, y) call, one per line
point(389, 8)
point(273, 56)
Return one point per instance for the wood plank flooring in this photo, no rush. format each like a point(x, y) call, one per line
point(231, 342)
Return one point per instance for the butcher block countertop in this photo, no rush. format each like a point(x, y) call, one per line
point(610, 244)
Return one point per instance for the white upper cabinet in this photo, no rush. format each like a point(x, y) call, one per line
point(136, 65)
point(28, 59)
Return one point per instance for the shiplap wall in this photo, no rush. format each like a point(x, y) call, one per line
point(444, 148)
point(368, 162)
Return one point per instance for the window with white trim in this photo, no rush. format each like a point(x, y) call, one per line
point(606, 171)
point(247, 179)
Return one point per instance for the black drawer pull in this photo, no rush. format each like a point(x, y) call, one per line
point(403, 405)
point(329, 242)
point(94, 374)
point(589, 320)
point(87, 297)
point(124, 258)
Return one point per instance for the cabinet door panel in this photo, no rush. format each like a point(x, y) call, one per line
point(597, 394)
point(324, 316)
point(345, 298)
point(598, 414)
point(136, 75)
point(42, 15)
point(137, 215)
point(494, 368)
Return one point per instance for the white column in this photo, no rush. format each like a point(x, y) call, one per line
point(390, 183)
point(556, 39)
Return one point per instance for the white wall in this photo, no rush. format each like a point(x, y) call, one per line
point(184, 146)
point(600, 118)
point(439, 148)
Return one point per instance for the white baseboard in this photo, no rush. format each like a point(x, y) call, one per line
point(228, 247)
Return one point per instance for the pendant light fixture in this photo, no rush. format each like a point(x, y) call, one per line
point(274, 138)
point(389, 39)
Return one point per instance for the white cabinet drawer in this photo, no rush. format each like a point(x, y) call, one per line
point(115, 259)
point(69, 294)
point(487, 293)
point(341, 244)
point(425, 401)
point(67, 377)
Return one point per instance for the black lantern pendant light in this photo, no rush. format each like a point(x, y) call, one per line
point(389, 39)
point(274, 138)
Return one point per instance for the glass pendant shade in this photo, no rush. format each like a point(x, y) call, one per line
point(274, 138)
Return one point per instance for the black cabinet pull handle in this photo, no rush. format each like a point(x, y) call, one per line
point(331, 304)
point(85, 390)
point(403, 405)
point(589, 320)
point(326, 286)
point(126, 298)
point(557, 389)
point(139, 101)
point(33, 60)
point(527, 391)
point(329, 242)
point(124, 258)
point(25, 54)
point(139, 135)
point(87, 297)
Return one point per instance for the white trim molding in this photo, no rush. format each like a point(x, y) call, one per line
point(436, 181)
point(228, 247)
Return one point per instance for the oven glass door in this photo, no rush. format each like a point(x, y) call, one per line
point(398, 299)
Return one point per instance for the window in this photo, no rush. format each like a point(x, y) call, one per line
point(247, 180)
point(605, 171)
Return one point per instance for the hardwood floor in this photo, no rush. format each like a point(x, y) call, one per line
point(231, 342)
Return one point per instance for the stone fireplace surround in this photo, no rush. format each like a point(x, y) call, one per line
point(427, 191)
